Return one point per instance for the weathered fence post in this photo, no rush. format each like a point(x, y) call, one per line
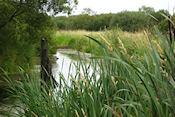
point(45, 64)
point(46, 67)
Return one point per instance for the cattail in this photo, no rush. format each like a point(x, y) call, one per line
point(163, 61)
point(110, 49)
point(77, 113)
point(83, 112)
point(77, 85)
point(154, 64)
point(166, 75)
point(157, 99)
point(114, 112)
point(158, 48)
point(34, 114)
point(164, 72)
point(83, 79)
point(107, 43)
point(113, 80)
point(121, 46)
point(130, 58)
point(147, 39)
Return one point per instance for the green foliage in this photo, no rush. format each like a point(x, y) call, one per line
point(19, 40)
point(146, 10)
point(163, 25)
point(84, 21)
point(76, 41)
point(135, 43)
point(61, 22)
point(88, 11)
point(55, 6)
point(130, 21)
point(102, 22)
point(81, 21)
point(22, 25)
point(119, 85)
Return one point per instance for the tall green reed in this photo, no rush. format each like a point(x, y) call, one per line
point(120, 85)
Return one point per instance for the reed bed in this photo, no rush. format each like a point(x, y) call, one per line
point(126, 87)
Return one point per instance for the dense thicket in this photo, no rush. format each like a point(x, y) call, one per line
point(131, 21)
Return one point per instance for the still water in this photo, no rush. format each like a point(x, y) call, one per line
point(66, 65)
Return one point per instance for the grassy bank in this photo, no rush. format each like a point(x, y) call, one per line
point(135, 43)
point(76, 40)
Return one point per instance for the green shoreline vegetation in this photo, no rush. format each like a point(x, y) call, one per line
point(125, 87)
point(135, 43)
point(133, 62)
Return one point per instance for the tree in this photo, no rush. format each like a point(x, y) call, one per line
point(18, 7)
point(88, 11)
point(146, 10)
point(129, 21)
point(61, 22)
point(23, 23)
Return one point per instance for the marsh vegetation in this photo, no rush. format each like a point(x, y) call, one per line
point(130, 73)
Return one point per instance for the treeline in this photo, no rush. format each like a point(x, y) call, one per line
point(131, 21)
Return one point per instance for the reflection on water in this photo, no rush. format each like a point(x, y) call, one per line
point(62, 65)
point(66, 66)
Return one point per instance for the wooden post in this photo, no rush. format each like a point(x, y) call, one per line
point(46, 68)
point(45, 71)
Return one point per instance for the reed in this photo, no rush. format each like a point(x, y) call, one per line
point(124, 88)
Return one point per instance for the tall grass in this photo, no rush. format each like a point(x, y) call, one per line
point(125, 87)
point(76, 40)
point(135, 43)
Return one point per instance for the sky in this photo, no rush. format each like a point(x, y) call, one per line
point(114, 6)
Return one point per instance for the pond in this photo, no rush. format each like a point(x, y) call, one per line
point(65, 64)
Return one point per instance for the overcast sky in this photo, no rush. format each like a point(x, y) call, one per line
point(114, 6)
